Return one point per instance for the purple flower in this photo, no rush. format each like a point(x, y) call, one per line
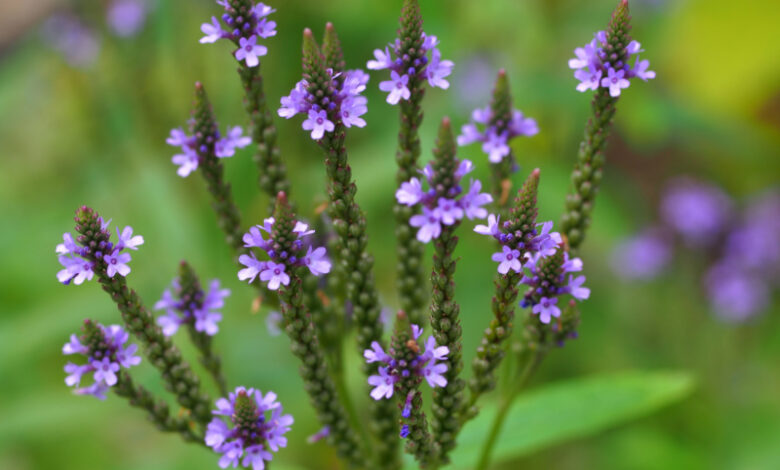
point(643, 256)
point(254, 440)
point(425, 365)
point(266, 28)
point(492, 228)
point(68, 245)
point(226, 147)
point(735, 294)
point(588, 80)
point(117, 263)
point(106, 355)
point(382, 383)
point(508, 259)
point(206, 322)
point(253, 267)
point(397, 86)
point(76, 269)
point(473, 201)
point(250, 51)
point(198, 313)
point(78, 44)
point(433, 374)
point(438, 69)
point(126, 17)
point(468, 134)
point(697, 211)
point(495, 146)
point(187, 162)
point(318, 124)
point(410, 192)
point(316, 261)
point(640, 70)
point(213, 31)
point(448, 211)
point(352, 109)
point(546, 309)
point(594, 66)
point(127, 240)
point(521, 125)
point(376, 354)
point(383, 60)
point(428, 224)
point(274, 275)
point(576, 289)
point(295, 102)
point(615, 81)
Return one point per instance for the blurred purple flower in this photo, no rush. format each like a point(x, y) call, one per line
point(78, 44)
point(126, 17)
point(736, 295)
point(697, 211)
point(642, 256)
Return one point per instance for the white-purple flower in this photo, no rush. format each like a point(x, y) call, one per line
point(411, 66)
point(595, 69)
point(351, 110)
point(317, 262)
point(274, 275)
point(427, 223)
point(318, 123)
point(116, 262)
point(249, 442)
point(397, 87)
point(546, 309)
point(426, 365)
point(507, 259)
point(250, 51)
point(495, 137)
point(106, 356)
point(234, 139)
point(213, 31)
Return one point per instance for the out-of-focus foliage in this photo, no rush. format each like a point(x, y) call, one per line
point(95, 135)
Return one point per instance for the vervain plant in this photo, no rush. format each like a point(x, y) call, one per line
point(536, 270)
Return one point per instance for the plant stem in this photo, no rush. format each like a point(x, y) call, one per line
point(503, 409)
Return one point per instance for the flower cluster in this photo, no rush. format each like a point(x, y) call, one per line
point(547, 282)
point(425, 365)
point(191, 307)
point(257, 427)
point(275, 271)
point(594, 68)
point(106, 353)
point(403, 67)
point(440, 206)
point(79, 261)
point(516, 247)
point(192, 154)
point(344, 104)
point(243, 27)
point(497, 133)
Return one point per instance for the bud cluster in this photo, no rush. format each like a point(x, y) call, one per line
point(191, 306)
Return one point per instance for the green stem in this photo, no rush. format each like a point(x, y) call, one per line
point(503, 409)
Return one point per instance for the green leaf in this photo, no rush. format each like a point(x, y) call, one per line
point(560, 412)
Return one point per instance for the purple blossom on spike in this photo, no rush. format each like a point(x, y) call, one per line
point(594, 69)
point(546, 309)
point(249, 51)
point(404, 67)
point(104, 348)
point(397, 87)
point(426, 365)
point(256, 428)
point(318, 124)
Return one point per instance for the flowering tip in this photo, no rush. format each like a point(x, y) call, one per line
point(536, 173)
point(328, 27)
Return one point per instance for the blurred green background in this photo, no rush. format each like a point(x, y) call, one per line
point(94, 134)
